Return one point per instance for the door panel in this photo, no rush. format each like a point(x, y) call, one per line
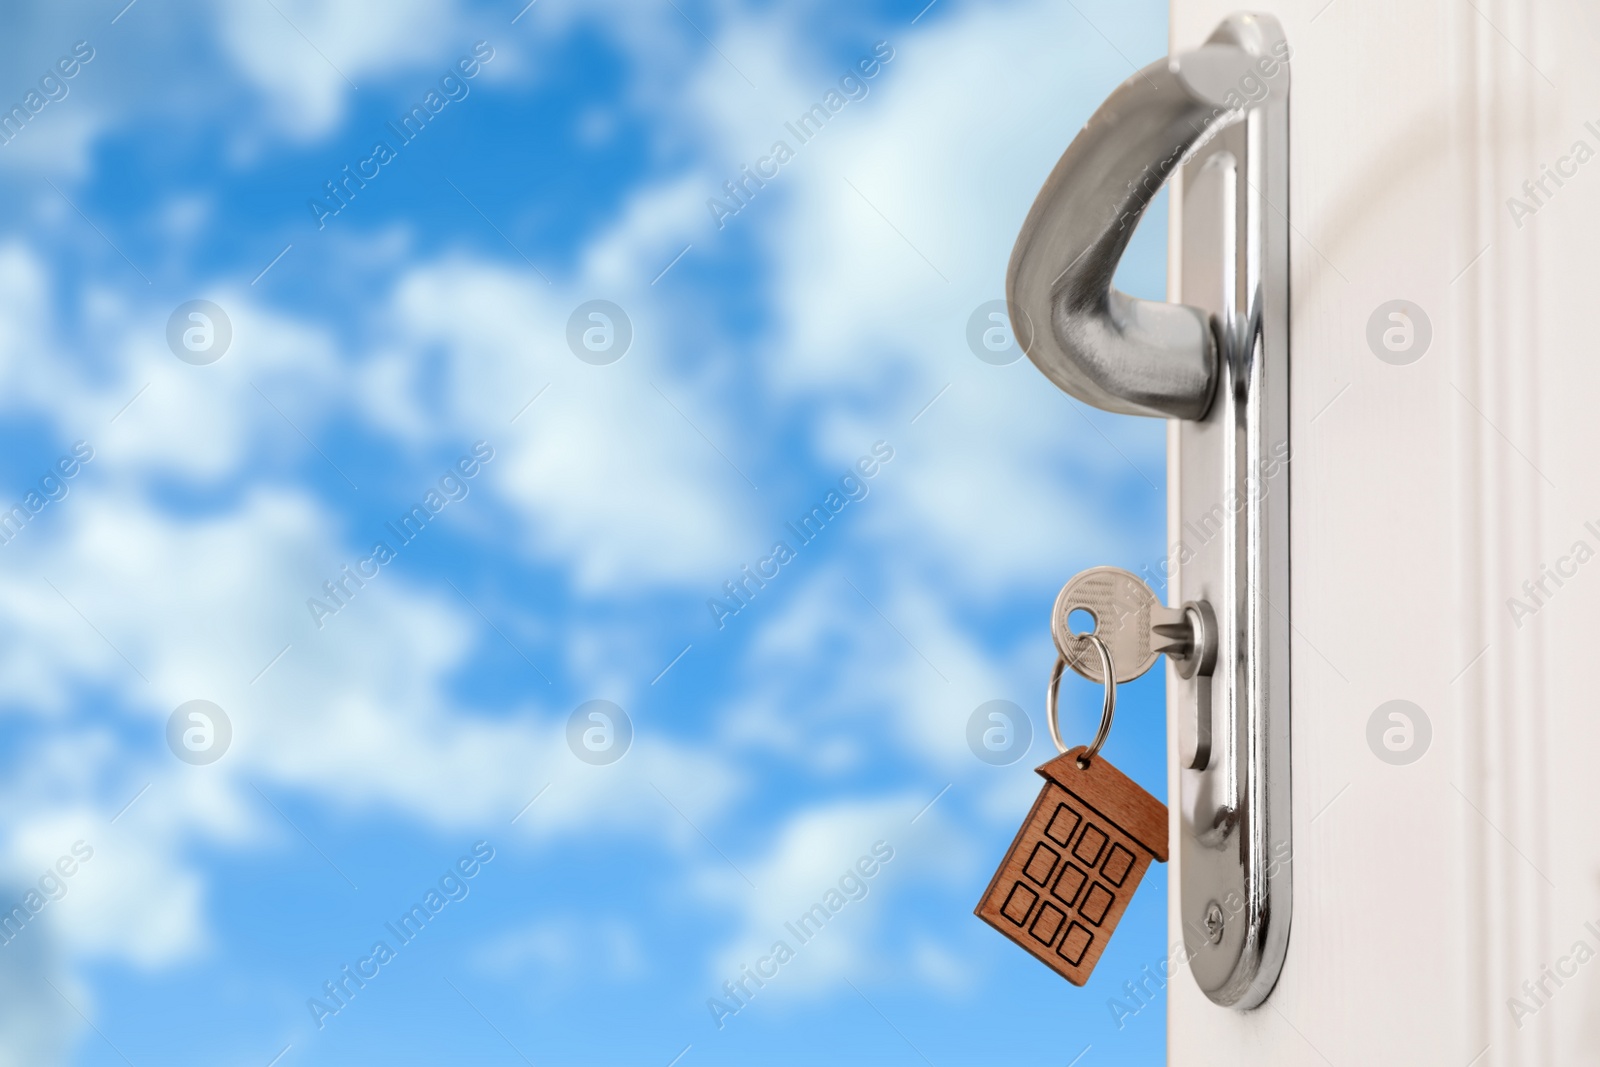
point(1429, 482)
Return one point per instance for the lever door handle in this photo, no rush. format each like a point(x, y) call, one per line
point(1218, 118)
point(1137, 357)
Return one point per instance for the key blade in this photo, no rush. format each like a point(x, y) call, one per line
point(1171, 632)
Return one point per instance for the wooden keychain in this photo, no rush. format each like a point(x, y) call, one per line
point(1070, 872)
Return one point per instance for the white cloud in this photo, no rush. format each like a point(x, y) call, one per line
point(995, 471)
point(358, 715)
point(909, 677)
point(102, 890)
point(937, 966)
point(817, 866)
point(57, 134)
point(59, 140)
point(279, 378)
point(999, 482)
point(649, 230)
point(935, 149)
point(816, 848)
point(307, 58)
point(36, 1024)
point(618, 472)
point(555, 951)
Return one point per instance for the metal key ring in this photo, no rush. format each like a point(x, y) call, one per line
point(1110, 708)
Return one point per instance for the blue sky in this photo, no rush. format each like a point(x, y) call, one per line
point(371, 352)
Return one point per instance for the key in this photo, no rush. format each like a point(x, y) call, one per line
point(1136, 627)
point(1063, 885)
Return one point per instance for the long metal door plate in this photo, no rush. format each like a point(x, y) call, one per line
point(1233, 541)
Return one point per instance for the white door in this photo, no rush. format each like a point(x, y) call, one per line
point(1445, 527)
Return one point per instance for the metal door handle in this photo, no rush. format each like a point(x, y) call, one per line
point(1217, 121)
point(1137, 357)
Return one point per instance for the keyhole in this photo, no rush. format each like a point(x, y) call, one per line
point(1081, 621)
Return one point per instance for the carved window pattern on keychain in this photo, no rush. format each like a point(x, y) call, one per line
point(1066, 881)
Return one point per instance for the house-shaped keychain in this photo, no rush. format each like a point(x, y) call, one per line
point(1068, 876)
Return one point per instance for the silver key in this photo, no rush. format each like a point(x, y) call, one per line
point(1134, 624)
